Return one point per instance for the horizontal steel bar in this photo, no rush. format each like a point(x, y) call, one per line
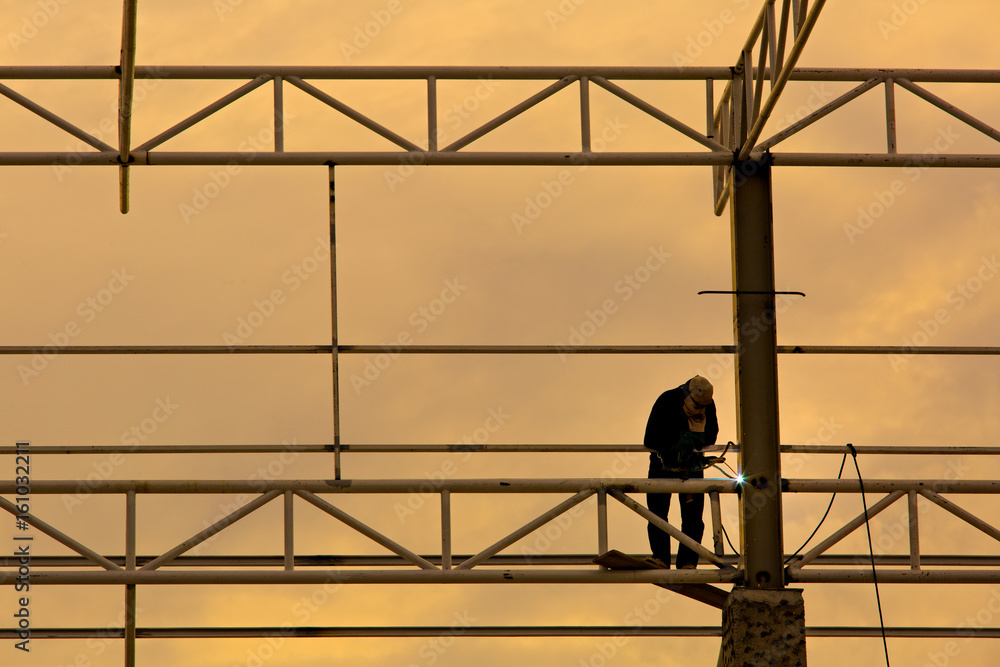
point(257, 487)
point(984, 161)
point(907, 576)
point(471, 72)
point(409, 576)
point(903, 450)
point(550, 485)
point(488, 349)
point(888, 485)
point(471, 158)
point(499, 560)
point(492, 631)
point(488, 576)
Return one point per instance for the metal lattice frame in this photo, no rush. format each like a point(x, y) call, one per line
point(734, 127)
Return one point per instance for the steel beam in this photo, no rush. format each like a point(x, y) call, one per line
point(756, 373)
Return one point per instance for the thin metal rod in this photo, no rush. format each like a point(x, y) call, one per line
point(890, 116)
point(432, 114)
point(758, 92)
point(528, 528)
point(717, 537)
point(901, 450)
point(778, 86)
point(771, 37)
point(126, 86)
point(130, 629)
point(659, 115)
point(823, 111)
point(950, 109)
point(357, 116)
point(38, 110)
point(604, 159)
point(669, 529)
point(489, 576)
point(289, 524)
point(779, 60)
point(474, 72)
point(585, 114)
point(130, 533)
point(847, 529)
point(196, 118)
point(365, 530)
point(382, 561)
point(937, 632)
point(446, 530)
point(214, 529)
point(334, 325)
point(279, 115)
point(864, 576)
point(961, 513)
point(913, 516)
point(56, 534)
point(509, 114)
point(602, 521)
point(480, 575)
point(501, 486)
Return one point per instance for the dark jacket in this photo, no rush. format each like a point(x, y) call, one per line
point(668, 423)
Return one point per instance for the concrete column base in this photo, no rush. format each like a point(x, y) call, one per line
point(763, 627)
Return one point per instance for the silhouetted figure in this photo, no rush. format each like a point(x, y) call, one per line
point(681, 423)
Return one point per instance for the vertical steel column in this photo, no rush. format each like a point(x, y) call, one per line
point(333, 324)
point(445, 529)
point(289, 531)
point(130, 588)
point(279, 116)
point(602, 521)
point(756, 372)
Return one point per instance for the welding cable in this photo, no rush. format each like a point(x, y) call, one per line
point(825, 514)
point(871, 551)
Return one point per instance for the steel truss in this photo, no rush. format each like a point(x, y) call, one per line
point(406, 566)
point(402, 565)
point(734, 127)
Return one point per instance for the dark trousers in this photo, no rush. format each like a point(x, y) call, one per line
point(692, 524)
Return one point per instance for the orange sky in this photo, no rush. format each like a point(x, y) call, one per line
point(203, 249)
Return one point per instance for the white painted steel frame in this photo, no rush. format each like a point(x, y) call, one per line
point(912, 567)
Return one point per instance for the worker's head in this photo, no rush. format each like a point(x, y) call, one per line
point(699, 392)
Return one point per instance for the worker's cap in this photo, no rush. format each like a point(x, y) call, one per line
point(700, 389)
